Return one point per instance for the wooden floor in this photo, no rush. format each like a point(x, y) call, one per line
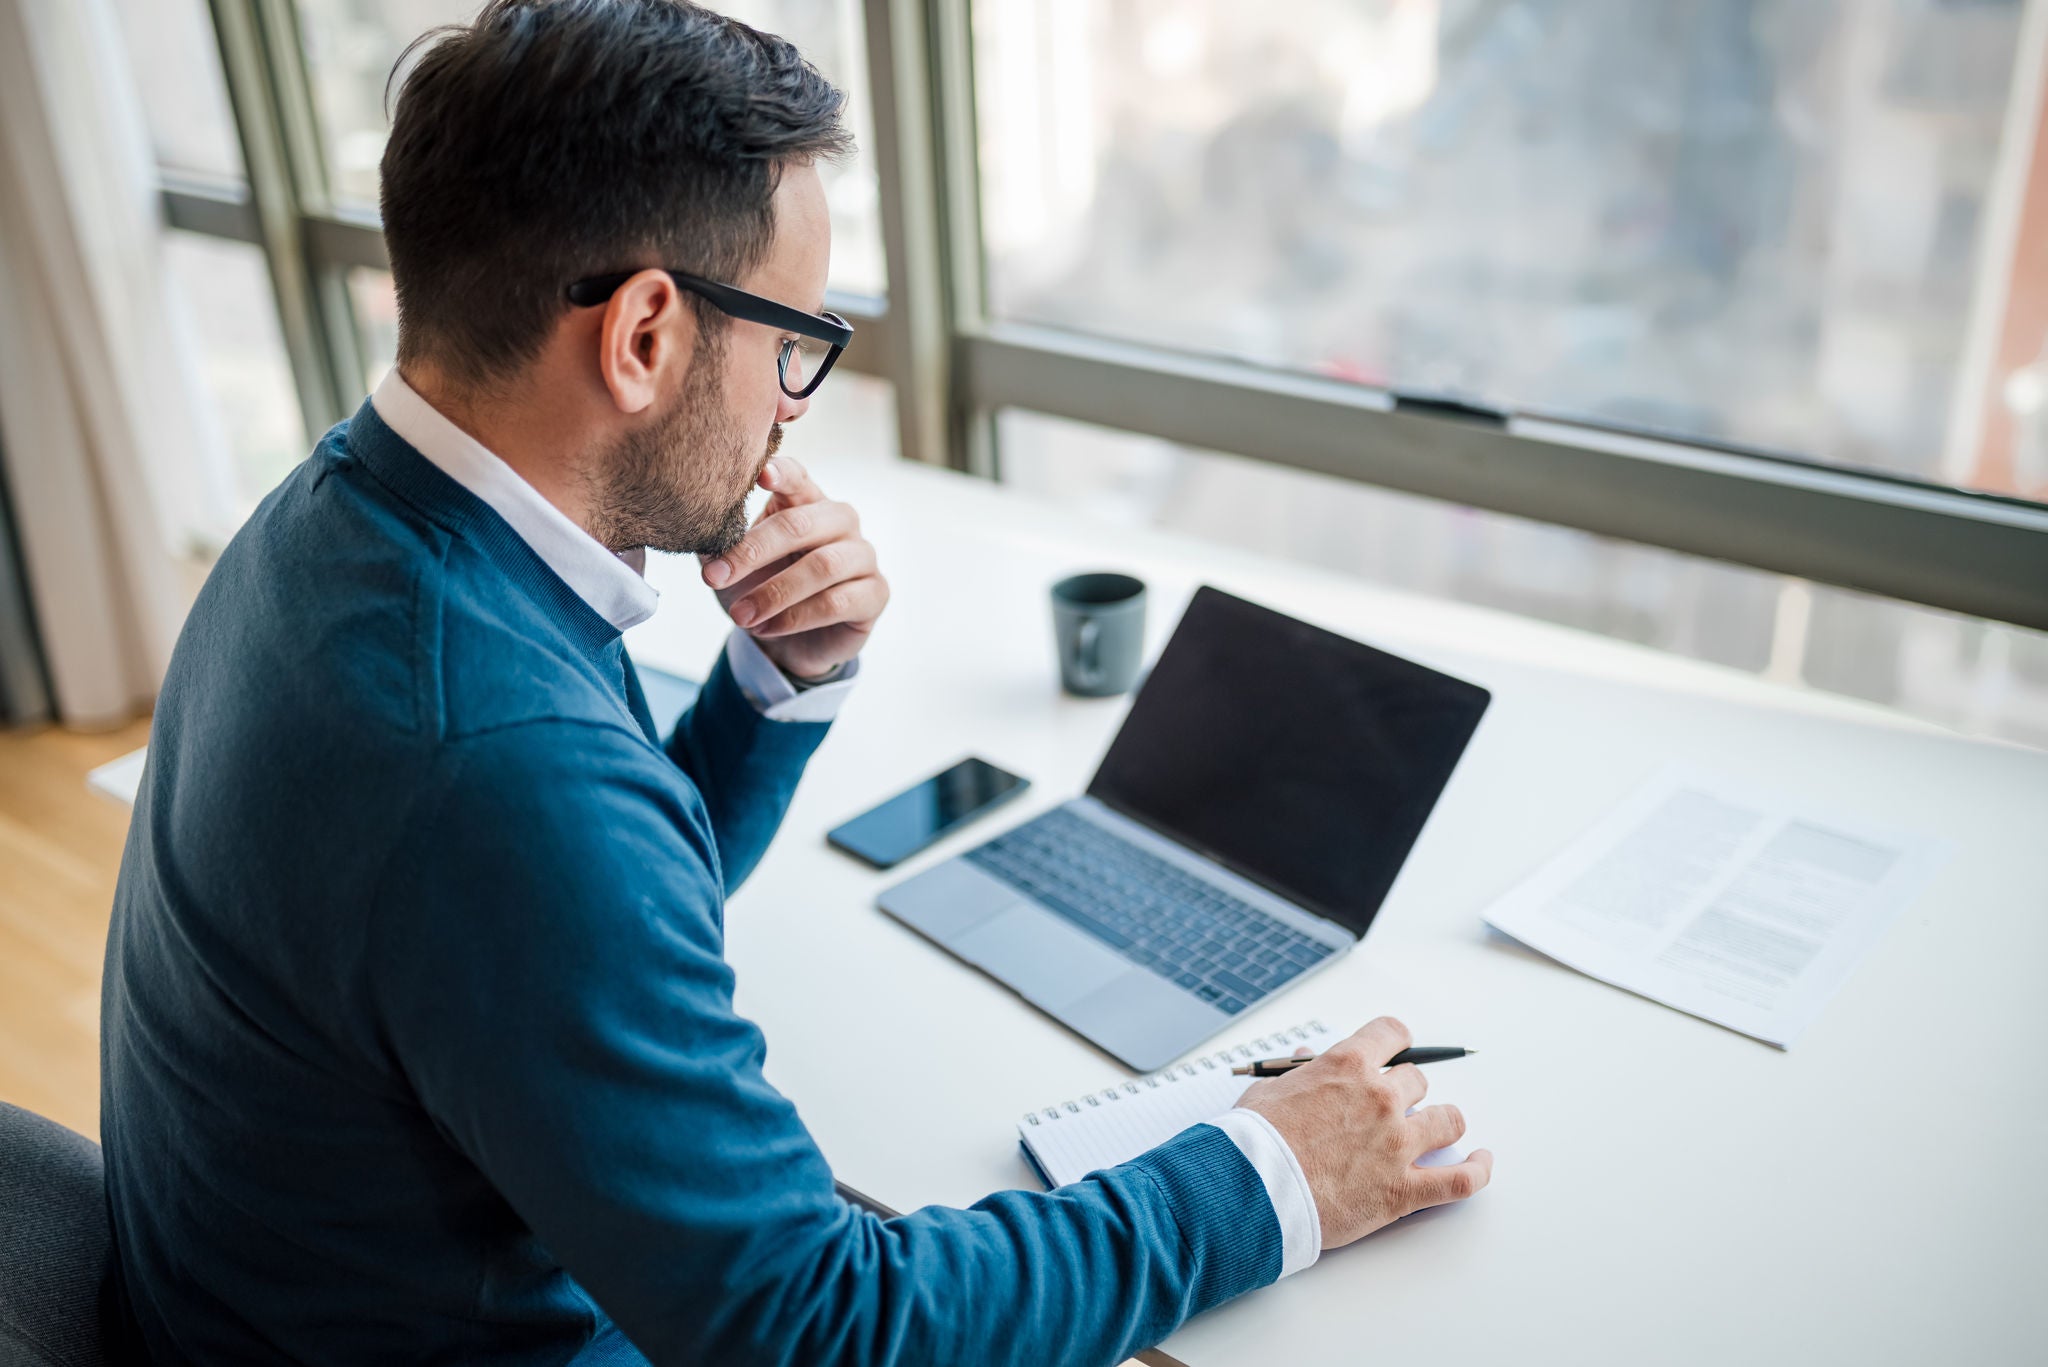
point(60, 851)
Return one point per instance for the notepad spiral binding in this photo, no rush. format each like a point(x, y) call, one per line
point(1265, 1046)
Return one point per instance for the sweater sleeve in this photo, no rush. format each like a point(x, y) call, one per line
point(551, 979)
point(745, 766)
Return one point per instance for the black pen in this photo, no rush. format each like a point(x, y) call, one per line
point(1274, 1067)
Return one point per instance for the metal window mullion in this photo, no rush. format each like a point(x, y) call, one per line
point(306, 157)
point(210, 209)
point(971, 427)
point(919, 355)
point(335, 308)
point(347, 240)
point(277, 23)
point(325, 386)
point(1969, 553)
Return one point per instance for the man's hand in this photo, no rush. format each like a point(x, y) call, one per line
point(803, 583)
point(1348, 1125)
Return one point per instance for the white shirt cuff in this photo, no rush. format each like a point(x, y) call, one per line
point(1301, 1228)
point(770, 690)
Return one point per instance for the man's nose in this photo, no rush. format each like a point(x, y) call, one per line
point(789, 410)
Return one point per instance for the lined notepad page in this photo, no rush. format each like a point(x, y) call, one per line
point(1115, 1125)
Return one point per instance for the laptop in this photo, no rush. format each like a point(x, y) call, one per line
point(1241, 833)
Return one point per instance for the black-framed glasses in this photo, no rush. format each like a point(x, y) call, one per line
point(828, 328)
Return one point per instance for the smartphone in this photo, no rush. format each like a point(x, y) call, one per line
point(908, 822)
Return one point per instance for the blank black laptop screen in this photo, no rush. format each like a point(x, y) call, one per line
point(1299, 758)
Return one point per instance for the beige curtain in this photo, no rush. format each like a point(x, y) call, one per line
point(98, 381)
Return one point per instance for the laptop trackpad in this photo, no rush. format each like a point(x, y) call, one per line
point(1046, 960)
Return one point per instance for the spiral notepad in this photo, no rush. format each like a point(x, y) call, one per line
point(1069, 1141)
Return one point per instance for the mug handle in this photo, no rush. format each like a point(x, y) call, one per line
point(1087, 655)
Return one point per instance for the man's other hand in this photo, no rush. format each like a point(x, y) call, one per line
point(1347, 1123)
point(804, 583)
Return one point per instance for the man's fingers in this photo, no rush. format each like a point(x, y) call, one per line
point(1377, 1041)
point(734, 591)
point(801, 489)
point(790, 482)
point(792, 529)
point(852, 601)
point(813, 573)
point(1435, 1126)
point(1408, 1084)
point(1454, 1182)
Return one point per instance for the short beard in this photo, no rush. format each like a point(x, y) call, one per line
point(663, 487)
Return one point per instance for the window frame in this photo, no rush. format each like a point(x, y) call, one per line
point(953, 365)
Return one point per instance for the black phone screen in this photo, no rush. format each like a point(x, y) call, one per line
point(914, 818)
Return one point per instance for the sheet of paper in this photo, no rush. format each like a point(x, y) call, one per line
point(1728, 903)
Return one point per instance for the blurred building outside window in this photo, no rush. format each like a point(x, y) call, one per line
point(1786, 224)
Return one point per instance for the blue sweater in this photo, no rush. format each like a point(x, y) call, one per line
point(418, 1038)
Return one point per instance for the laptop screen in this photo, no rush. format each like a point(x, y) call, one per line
point(1291, 755)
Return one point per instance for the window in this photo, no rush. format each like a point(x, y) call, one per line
point(1751, 229)
point(350, 48)
point(253, 408)
point(177, 69)
point(828, 32)
point(1957, 671)
point(351, 44)
point(1784, 224)
point(249, 409)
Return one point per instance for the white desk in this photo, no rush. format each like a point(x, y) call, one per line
point(1677, 1194)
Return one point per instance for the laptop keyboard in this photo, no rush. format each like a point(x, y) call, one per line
point(1153, 912)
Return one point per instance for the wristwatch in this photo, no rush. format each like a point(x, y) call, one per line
point(833, 675)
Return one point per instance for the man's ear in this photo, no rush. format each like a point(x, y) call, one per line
point(646, 341)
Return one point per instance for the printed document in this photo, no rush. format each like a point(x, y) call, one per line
point(1730, 904)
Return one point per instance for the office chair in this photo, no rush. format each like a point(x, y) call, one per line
point(55, 1247)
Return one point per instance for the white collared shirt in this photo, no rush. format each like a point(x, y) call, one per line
point(616, 589)
point(613, 585)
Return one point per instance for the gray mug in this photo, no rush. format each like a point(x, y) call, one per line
point(1098, 624)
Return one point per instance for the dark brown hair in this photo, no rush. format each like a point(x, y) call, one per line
point(549, 140)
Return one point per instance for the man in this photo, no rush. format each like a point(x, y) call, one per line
point(419, 1042)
